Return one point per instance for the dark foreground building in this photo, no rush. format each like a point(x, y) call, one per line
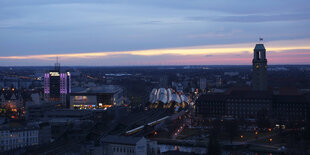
point(247, 104)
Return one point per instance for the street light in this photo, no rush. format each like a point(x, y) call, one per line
point(256, 134)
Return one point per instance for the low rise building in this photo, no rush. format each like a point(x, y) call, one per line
point(48, 112)
point(122, 145)
point(36, 112)
point(67, 115)
point(97, 97)
point(18, 136)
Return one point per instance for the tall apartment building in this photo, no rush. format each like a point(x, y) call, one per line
point(57, 85)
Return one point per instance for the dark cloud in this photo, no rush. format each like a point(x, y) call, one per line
point(265, 18)
point(254, 18)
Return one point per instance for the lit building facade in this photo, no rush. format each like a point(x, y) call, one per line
point(57, 85)
point(11, 103)
point(97, 97)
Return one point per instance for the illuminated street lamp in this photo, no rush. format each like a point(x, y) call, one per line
point(270, 139)
point(256, 134)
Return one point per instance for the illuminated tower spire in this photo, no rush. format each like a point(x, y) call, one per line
point(259, 65)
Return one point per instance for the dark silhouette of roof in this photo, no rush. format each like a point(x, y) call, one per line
point(212, 97)
point(120, 140)
point(252, 94)
point(292, 99)
point(259, 47)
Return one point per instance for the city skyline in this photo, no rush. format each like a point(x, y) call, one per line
point(135, 33)
point(154, 77)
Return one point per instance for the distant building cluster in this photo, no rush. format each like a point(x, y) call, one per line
point(16, 82)
point(11, 99)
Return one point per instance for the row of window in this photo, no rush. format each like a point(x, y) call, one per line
point(238, 112)
point(7, 134)
point(247, 100)
point(245, 108)
point(123, 149)
point(21, 140)
point(5, 145)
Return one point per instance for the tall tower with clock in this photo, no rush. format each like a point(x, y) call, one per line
point(259, 65)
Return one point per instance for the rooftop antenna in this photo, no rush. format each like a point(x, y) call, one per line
point(57, 65)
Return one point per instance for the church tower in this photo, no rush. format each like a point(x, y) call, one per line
point(259, 66)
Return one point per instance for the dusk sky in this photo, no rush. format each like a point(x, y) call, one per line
point(152, 32)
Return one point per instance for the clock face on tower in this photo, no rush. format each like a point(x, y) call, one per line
point(266, 66)
point(257, 66)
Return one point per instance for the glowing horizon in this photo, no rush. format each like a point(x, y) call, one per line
point(209, 54)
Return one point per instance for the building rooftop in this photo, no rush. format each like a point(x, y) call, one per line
point(19, 126)
point(69, 112)
point(99, 89)
point(259, 47)
point(213, 97)
point(121, 140)
point(289, 99)
point(252, 94)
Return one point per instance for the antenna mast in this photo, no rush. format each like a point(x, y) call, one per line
point(57, 65)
